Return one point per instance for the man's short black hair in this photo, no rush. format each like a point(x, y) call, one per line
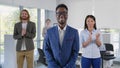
point(63, 6)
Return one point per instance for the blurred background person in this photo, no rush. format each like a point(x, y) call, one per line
point(24, 32)
point(46, 27)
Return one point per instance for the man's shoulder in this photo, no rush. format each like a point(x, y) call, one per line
point(52, 28)
point(31, 22)
point(17, 23)
point(72, 28)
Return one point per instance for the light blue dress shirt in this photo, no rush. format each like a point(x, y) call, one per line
point(92, 50)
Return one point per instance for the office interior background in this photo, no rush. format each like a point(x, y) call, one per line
point(107, 13)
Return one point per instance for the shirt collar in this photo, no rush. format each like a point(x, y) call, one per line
point(89, 32)
point(63, 28)
point(24, 22)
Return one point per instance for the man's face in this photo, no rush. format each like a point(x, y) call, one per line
point(62, 15)
point(24, 15)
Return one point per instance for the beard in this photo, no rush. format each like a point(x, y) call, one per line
point(24, 18)
point(62, 21)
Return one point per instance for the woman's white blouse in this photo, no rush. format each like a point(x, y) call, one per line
point(91, 50)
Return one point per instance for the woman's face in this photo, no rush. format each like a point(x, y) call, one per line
point(90, 23)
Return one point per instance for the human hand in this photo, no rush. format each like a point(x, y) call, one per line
point(23, 32)
point(97, 36)
point(90, 38)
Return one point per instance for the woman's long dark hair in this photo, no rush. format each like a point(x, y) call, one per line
point(90, 16)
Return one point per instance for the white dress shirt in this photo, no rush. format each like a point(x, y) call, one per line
point(24, 26)
point(61, 34)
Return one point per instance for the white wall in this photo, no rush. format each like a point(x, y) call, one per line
point(9, 52)
point(45, 4)
point(107, 12)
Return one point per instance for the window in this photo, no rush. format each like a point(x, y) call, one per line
point(113, 37)
point(42, 25)
point(9, 15)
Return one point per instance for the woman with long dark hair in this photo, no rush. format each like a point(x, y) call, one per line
point(91, 40)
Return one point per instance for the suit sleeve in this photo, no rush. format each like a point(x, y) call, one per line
point(31, 34)
point(48, 53)
point(16, 35)
point(75, 50)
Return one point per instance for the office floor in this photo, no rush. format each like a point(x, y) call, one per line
point(40, 65)
point(114, 65)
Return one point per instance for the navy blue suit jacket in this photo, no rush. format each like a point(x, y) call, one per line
point(63, 56)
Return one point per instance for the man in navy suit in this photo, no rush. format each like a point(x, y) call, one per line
point(61, 43)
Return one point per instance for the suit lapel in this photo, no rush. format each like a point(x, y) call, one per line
point(27, 26)
point(20, 26)
point(57, 35)
point(66, 34)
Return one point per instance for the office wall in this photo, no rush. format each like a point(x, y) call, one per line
point(45, 4)
point(107, 12)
